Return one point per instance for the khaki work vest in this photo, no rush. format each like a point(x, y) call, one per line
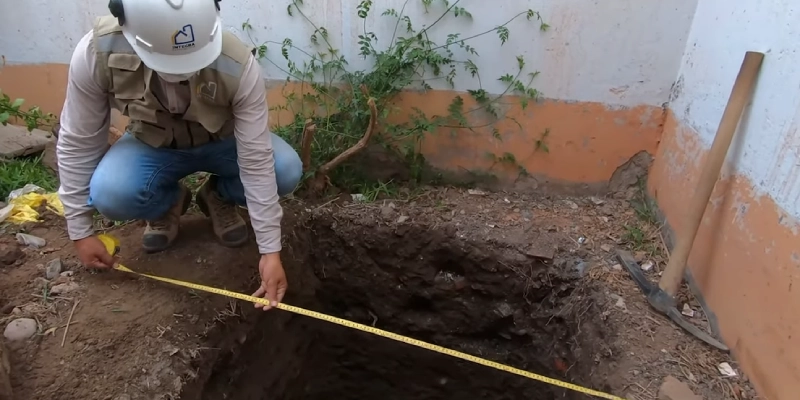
point(133, 90)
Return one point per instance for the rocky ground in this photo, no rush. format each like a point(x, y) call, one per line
point(71, 333)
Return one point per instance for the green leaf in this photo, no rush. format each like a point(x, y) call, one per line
point(4, 117)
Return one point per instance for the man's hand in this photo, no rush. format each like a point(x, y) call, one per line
point(93, 253)
point(273, 280)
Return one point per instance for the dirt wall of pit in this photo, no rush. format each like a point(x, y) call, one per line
point(490, 301)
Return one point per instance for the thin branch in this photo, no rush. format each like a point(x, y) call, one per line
point(482, 33)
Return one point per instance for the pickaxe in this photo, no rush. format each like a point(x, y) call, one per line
point(662, 297)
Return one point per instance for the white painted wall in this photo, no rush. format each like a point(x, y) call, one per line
point(622, 52)
point(767, 146)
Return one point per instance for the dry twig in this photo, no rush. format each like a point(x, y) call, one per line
point(69, 321)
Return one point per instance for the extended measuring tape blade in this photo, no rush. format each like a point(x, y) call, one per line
point(112, 244)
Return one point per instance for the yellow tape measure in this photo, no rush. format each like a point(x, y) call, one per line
point(113, 247)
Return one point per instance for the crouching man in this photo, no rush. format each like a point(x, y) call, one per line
point(196, 101)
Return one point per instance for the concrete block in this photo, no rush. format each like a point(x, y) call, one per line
point(16, 141)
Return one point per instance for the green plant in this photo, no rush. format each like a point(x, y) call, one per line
point(11, 110)
point(18, 172)
point(332, 107)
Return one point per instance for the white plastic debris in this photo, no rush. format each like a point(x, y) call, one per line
point(647, 266)
point(476, 192)
point(6, 211)
point(29, 188)
point(358, 197)
point(726, 370)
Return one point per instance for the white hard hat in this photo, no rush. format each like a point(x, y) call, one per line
point(171, 36)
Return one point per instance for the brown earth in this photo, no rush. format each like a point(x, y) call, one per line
point(525, 280)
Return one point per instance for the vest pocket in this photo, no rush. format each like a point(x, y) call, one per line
point(127, 76)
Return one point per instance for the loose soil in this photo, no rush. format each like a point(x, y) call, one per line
point(524, 280)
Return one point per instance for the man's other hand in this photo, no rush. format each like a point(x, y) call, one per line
point(273, 280)
point(93, 253)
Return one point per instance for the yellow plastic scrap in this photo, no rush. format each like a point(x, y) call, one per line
point(25, 206)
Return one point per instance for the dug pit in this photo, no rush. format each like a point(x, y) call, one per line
point(478, 298)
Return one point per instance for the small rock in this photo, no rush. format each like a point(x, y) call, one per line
point(67, 274)
point(687, 311)
point(571, 204)
point(504, 310)
point(387, 211)
point(16, 311)
point(673, 389)
point(647, 266)
point(617, 267)
point(53, 268)
point(581, 267)
point(403, 218)
point(476, 192)
point(726, 370)
point(10, 253)
point(606, 247)
point(541, 248)
point(60, 280)
point(358, 197)
point(639, 256)
point(64, 288)
point(31, 241)
point(20, 329)
point(596, 200)
point(620, 303)
point(7, 309)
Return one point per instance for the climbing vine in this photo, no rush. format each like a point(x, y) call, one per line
point(337, 108)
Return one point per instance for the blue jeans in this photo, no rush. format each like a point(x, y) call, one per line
point(137, 181)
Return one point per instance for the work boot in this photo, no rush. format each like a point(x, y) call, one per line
point(159, 234)
point(229, 226)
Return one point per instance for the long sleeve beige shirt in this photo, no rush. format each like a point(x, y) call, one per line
point(83, 139)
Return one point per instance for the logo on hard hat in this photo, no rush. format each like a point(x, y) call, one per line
point(183, 38)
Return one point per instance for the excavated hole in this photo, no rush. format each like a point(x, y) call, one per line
point(491, 302)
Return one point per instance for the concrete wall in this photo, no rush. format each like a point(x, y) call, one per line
point(747, 255)
point(606, 69)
